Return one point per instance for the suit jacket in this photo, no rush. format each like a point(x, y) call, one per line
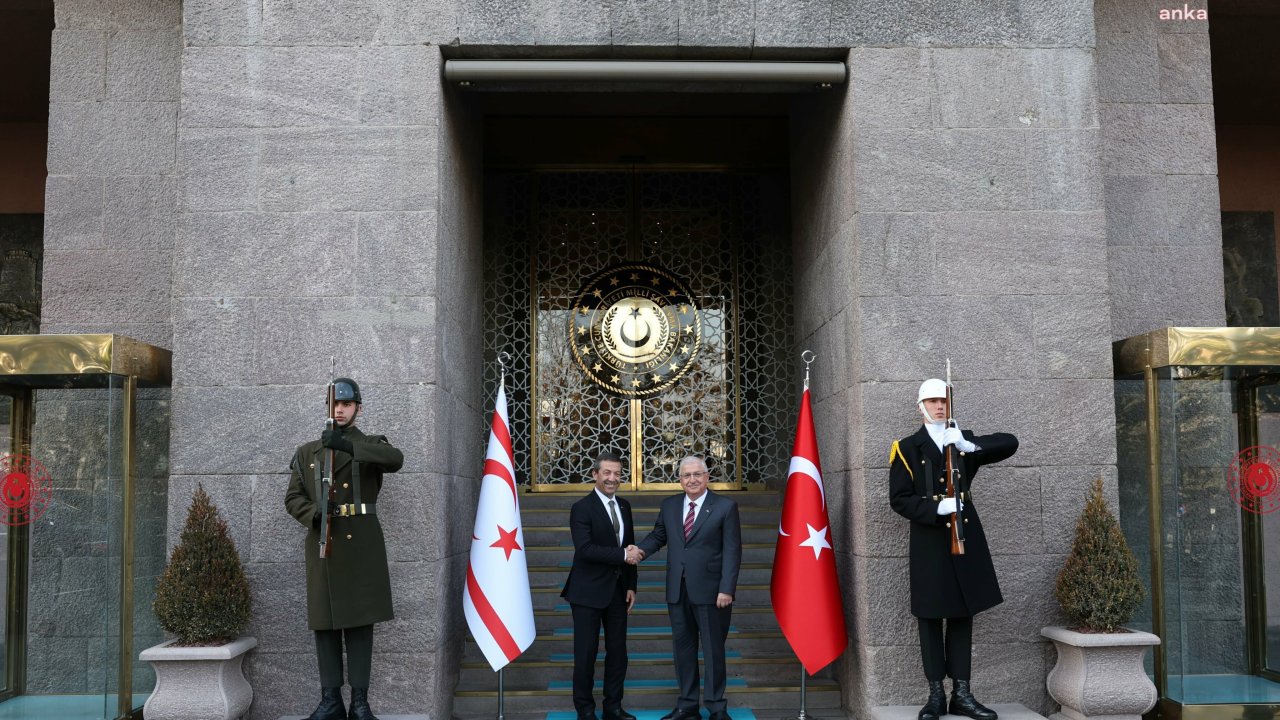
point(709, 560)
point(945, 585)
point(599, 562)
point(352, 587)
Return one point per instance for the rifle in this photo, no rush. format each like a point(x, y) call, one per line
point(954, 479)
point(326, 495)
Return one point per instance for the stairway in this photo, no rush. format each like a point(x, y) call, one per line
point(763, 674)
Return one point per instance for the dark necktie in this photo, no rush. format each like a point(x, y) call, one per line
point(613, 514)
point(688, 519)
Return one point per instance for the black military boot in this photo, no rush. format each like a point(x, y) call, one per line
point(964, 703)
point(360, 705)
point(331, 707)
point(936, 707)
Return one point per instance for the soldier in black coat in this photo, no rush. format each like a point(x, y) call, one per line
point(350, 590)
point(601, 588)
point(945, 587)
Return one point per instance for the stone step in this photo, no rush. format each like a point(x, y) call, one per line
point(652, 591)
point(735, 713)
point(748, 574)
point(557, 658)
point(752, 671)
point(659, 621)
point(380, 716)
point(1006, 711)
point(822, 694)
point(762, 643)
point(561, 554)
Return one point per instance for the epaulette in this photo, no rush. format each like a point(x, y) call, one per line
point(896, 452)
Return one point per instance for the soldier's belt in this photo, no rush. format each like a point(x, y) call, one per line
point(351, 510)
point(940, 498)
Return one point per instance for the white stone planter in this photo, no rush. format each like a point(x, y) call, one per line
point(205, 683)
point(1100, 674)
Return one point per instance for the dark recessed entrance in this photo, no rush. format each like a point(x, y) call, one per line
point(682, 220)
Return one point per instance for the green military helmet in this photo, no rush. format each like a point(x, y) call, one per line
point(346, 389)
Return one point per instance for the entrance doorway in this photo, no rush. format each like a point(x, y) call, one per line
point(706, 249)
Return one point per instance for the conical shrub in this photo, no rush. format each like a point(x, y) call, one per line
point(203, 595)
point(1098, 586)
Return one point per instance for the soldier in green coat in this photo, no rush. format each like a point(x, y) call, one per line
point(350, 590)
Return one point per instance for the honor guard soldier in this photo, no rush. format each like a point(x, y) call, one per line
point(948, 586)
point(348, 584)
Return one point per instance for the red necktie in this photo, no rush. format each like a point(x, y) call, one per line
point(688, 519)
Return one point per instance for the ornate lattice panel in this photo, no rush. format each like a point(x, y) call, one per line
point(724, 234)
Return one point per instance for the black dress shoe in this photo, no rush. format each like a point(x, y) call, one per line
point(719, 715)
point(617, 714)
point(682, 714)
point(964, 703)
point(360, 705)
point(331, 706)
point(936, 706)
point(586, 715)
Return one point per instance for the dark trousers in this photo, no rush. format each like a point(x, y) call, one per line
point(691, 624)
point(587, 622)
point(359, 642)
point(949, 653)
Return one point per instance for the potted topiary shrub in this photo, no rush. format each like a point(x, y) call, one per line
point(203, 599)
point(1099, 670)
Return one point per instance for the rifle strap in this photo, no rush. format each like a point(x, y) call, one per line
point(355, 482)
point(318, 465)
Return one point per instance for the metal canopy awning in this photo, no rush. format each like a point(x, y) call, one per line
point(87, 360)
point(645, 71)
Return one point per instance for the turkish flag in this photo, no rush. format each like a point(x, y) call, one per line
point(804, 589)
point(497, 602)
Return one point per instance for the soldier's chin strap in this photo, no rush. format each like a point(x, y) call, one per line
point(925, 413)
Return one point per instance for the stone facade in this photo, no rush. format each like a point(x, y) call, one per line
point(265, 184)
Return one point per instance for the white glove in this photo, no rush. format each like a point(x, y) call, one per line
point(953, 436)
point(946, 506)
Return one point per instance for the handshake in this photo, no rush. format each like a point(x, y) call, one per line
point(633, 555)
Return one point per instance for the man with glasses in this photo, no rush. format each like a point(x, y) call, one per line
point(704, 537)
point(601, 589)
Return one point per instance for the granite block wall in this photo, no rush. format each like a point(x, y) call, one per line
point(112, 183)
point(1164, 237)
point(970, 212)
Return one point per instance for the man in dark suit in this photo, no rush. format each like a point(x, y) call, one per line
point(946, 587)
point(601, 588)
point(704, 536)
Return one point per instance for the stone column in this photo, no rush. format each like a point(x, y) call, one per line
point(109, 198)
point(1164, 232)
point(329, 208)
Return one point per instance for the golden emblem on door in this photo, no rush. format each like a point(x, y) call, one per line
point(634, 329)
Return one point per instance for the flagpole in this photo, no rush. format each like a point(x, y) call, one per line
point(503, 356)
point(804, 679)
point(501, 696)
point(808, 356)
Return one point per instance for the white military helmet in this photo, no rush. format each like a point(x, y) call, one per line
point(931, 388)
